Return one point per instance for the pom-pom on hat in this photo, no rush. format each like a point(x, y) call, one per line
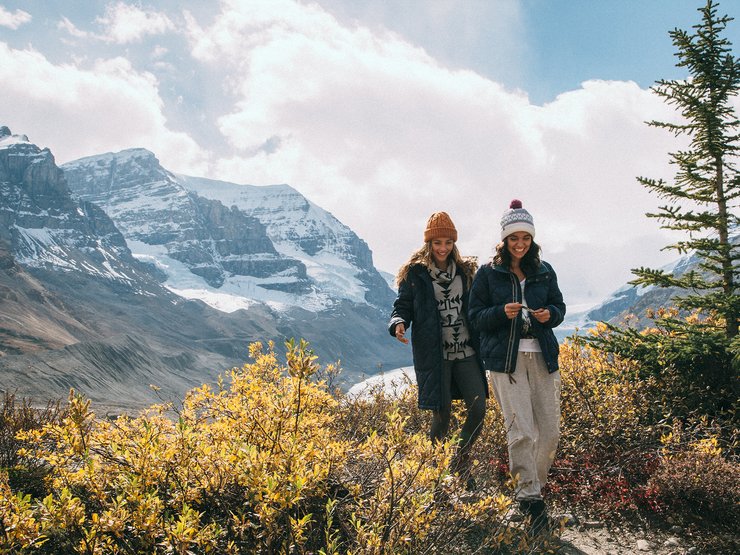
point(516, 219)
point(439, 226)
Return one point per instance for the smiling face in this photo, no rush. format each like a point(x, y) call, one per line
point(518, 244)
point(441, 249)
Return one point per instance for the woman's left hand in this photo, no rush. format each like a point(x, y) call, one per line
point(542, 315)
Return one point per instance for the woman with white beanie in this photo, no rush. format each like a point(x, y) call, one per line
point(515, 303)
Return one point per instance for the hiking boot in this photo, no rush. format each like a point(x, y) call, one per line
point(536, 510)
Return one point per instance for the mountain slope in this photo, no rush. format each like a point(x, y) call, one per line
point(630, 305)
point(271, 244)
point(77, 309)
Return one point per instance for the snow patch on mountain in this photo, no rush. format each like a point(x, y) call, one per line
point(41, 246)
point(298, 228)
point(8, 139)
point(389, 278)
point(236, 292)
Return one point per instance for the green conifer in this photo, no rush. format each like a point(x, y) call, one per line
point(707, 184)
point(702, 201)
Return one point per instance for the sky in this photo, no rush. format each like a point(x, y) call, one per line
point(381, 112)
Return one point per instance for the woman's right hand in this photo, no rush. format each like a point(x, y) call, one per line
point(400, 331)
point(512, 309)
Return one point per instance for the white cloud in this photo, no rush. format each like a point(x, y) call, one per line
point(373, 129)
point(126, 23)
point(79, 112)
point(13, 20)
point(159, 51)
point(368, 126)
point(450, 30)
point(66, 25)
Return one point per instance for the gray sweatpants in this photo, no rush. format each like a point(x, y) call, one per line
point(531, 409)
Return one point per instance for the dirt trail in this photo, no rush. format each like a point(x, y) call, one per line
point(599, 540)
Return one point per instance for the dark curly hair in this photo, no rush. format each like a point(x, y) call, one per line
point(530, 263)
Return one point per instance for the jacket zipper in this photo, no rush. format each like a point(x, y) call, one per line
point(510, 347)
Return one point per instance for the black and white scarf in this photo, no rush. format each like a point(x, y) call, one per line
point(448, 292)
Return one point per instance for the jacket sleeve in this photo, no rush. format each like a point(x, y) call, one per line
point(403, 307)
point(484, 314)
point(555, 303)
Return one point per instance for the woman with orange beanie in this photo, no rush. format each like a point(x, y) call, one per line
point(433, 300)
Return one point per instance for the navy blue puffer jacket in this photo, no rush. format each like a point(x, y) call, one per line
point(495, 286)
point(416, 308)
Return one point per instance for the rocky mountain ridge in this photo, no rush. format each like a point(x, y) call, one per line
point(630, 305)
point(45, 228)
point(254, 243)
point(78, 309)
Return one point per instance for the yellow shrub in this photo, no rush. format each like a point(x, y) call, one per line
point(259, 462)
point(410, 497)
point(17, 519)
point(601, 401)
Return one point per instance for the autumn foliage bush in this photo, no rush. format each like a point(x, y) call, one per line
point(266, 461)
point(624, 454)
point(698, 481)
point(609, 446)
point(271, 459)
point(16, 416)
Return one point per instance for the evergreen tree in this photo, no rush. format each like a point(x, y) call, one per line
point(702, 202)
point(707, 184)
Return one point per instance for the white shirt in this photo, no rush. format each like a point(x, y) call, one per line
point(527, 345)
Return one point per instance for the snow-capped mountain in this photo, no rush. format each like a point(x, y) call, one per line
point(270, 245)
point(79, 310)
point(45, 227)
point(631, 304)
point(202, 248)
point(337, 261)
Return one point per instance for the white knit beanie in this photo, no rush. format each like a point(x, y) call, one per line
point(516, 219)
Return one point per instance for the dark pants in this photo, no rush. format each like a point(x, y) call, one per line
point(466, 375)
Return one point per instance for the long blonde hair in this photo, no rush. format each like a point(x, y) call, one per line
point(424, 256)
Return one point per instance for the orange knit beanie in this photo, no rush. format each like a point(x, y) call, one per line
point(440, 226)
